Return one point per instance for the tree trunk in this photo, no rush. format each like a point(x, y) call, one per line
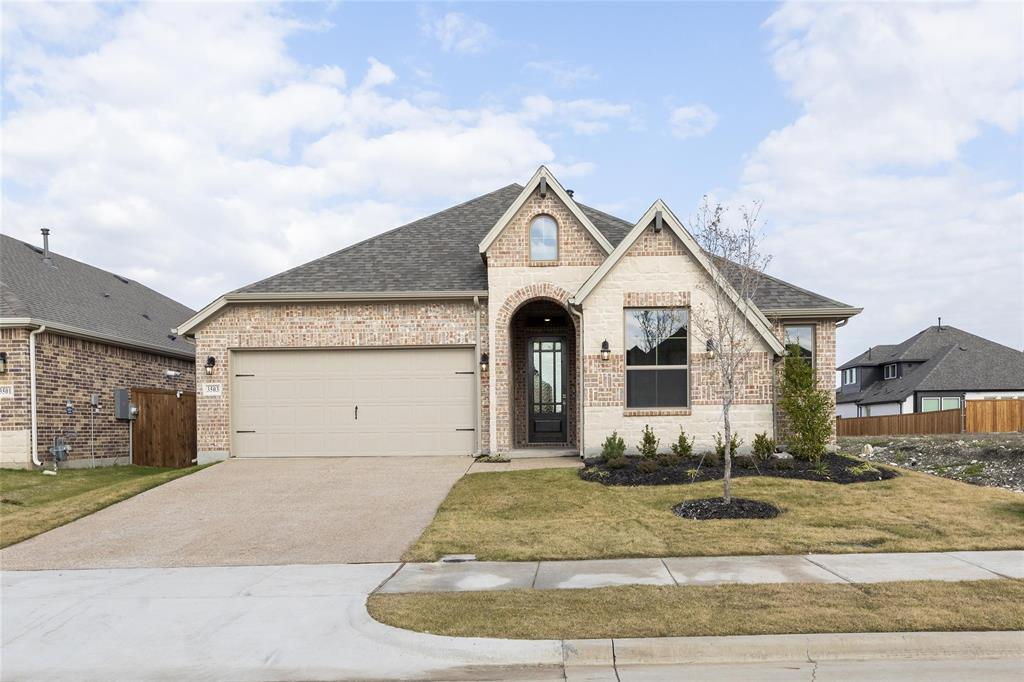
point(727, 459)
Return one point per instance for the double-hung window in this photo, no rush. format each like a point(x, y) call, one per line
point(849, 376)
point(657, 357)
point(800, 341)
point(890, 371)
point(543, 239)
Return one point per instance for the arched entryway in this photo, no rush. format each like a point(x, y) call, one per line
point(543, 377)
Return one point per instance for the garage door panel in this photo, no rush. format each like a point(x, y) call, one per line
point(303, 403)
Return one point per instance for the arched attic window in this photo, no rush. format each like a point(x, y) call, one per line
point(543, 238)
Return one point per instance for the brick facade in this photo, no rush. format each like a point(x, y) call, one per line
point(824, 361)
point(323, 325)
point(576, 246)
point(73, 369)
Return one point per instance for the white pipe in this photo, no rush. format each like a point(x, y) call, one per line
point(479, 374)
point(32, 390)
point(581, 373)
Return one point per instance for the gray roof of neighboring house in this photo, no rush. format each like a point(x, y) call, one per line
point(74, 294)
point(440, 253)
point(951, 360)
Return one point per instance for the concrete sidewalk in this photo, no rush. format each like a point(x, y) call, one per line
point(309, 622)
point(811, 568)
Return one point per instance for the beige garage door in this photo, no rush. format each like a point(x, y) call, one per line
point(343, 403)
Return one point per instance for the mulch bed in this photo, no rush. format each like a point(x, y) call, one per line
point(837, 469)
point(716, 508)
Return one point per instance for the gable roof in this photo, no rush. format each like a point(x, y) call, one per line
point(750, 311)
point(544, 175)
point(82, 300)
point(952, 360)
point(440, 254)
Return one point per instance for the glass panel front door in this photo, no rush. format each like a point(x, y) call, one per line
point(546, 397)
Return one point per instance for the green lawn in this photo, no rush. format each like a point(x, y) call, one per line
point(659, 611)
point(32, 503)
point(552, 514)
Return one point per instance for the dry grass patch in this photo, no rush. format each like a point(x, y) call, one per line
point(552, 514)
point(658, 611)
point(32, 503)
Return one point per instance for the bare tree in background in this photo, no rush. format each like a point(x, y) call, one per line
point(721, 319)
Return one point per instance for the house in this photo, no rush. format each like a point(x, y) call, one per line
point(512, 321)
point(936, 369)
point(68, 332)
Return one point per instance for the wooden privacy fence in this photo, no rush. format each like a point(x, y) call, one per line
point(164, 432)
point(978, 416)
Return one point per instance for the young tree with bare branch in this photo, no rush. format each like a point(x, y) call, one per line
point(732, 241)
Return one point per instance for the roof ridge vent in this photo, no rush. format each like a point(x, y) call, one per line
point(123, 279)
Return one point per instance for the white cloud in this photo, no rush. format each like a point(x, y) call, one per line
point(583, 116)
point(565, 75)
point(694, 120)
point(458, 33)
point(869, 193)
point(184, 146)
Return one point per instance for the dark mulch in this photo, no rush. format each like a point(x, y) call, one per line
point(716, 508)
point(836, 469)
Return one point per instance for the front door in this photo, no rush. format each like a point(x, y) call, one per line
point(546, 390)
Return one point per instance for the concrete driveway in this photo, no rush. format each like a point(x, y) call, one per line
point(250, 512)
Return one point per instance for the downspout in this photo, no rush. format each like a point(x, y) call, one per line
point(32, 390)
point(580, 373)
point(479, 374)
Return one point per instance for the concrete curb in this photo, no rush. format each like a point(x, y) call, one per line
point(818, 647)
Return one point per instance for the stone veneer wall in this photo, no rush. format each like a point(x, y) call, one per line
point(658, 271)
point(323, 325)
point(73, 369)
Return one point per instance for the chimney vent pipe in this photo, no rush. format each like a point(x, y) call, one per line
point(46, 246)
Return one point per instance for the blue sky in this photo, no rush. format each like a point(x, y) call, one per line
point(197, 148)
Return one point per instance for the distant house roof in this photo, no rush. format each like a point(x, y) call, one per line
point(440, 253)
point(951, 360)
point(80, 299)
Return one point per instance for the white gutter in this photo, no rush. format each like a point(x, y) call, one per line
point(188, 326)
point(109, 339)
point(32, 390)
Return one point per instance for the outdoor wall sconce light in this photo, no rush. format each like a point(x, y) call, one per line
point(211, 362)
point(710, 346)
point(606, 350)
point(483, 362)
point(3, 363)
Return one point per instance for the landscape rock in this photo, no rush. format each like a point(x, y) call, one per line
point(781, 460)
point(867, 449)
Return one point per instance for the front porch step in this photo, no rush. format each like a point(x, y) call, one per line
point(531, 453)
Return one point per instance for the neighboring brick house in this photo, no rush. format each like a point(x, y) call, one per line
point(513, 321)
point(938, 368)
point(91, 332)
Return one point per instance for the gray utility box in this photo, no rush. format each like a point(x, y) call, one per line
point(123, 404)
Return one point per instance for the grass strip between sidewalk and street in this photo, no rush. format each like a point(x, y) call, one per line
point(32, 502)
point(553, 514)
point(691, 611)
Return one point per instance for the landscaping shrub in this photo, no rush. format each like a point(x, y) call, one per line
point(734, 445)
point(764, 447)
point(647, 466)
point(619, 462)
point(613, 447)
point(648, 445)
point(683, 447)
point(808, 409)
point(667, 460)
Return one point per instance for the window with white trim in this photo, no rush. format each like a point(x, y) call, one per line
point(849, 376)
point(936, 403)
point(890, 371)
point(657, 357)
point(543, 238)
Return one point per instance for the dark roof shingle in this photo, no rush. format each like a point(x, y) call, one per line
point(440, 253)
point(78, 295)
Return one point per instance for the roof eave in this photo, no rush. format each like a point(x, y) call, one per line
point(821, 313)
point(85, 334)
point(188, 327)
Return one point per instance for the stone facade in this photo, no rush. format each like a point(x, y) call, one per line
point(323, 325)
point(73, 369)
